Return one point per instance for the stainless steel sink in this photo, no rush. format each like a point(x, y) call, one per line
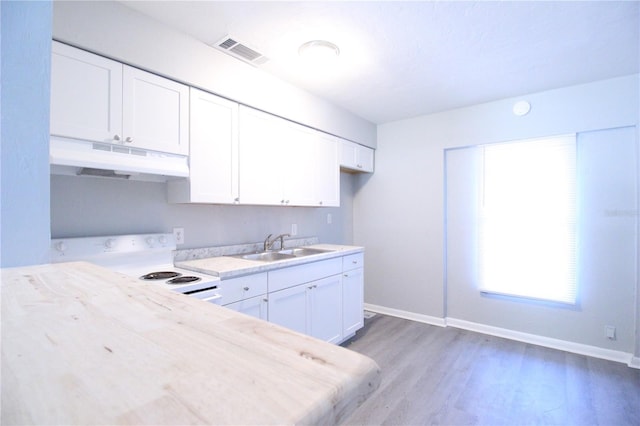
point(269, 256)
point(272, 256)
point(302, 251)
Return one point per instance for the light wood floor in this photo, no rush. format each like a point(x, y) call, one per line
point(446, 376)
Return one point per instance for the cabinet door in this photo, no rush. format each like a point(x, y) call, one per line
point(365, 159)
point(352, 301)
point(260, 158)
point(256, 307)
point(155, 112)
point(325, 309)
point(213, 152)
point(326, 171)
point(356, 157)
point(288, 308)
point(86, 95)
point(348, 154)
point(299, 158)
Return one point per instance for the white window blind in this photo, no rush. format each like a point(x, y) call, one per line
point(527, 219)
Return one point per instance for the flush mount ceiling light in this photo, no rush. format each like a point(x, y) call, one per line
point(319, 49)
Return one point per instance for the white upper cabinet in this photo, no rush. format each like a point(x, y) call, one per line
point(325, 172)
point(100, 100)
point(261, 148)
point(155, 112)
point(237, 155)
point(86, 95)
point(356, 157)
point(297, 154)
point(213, 159)
point(283, 163)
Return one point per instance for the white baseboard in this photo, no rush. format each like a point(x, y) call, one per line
point(427, 319)
point(563, 345)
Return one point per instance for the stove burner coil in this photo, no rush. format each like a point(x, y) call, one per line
point(183, 280)
point(163, 275)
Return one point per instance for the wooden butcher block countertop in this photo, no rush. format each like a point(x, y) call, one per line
point(83, 345)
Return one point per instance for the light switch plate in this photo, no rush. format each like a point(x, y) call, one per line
point(610, 332)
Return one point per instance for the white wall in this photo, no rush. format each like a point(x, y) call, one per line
point(399, 211)
point(25, 82)
point(111, 29)
point(86, 206)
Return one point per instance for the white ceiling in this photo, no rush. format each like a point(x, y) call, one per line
point(403, 59)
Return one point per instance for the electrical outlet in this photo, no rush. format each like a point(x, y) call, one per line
point(329, 219)
point(610, 332)
point(294, 229)
point(178, 235)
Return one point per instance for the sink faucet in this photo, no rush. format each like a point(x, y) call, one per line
point(268, 242)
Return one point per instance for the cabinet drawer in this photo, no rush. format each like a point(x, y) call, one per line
point(288, 277)
point(353, 261)
point(240, 288)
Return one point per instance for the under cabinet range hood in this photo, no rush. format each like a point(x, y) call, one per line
point(83, 158)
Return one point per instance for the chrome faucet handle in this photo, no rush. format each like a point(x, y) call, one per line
point(281, 238)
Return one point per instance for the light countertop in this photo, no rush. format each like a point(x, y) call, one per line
point(230, 267)
point(84, 345)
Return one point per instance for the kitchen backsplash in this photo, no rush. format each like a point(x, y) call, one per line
point(205, 252)
point(85, 206)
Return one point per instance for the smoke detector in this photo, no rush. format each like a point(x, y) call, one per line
point(231, 46)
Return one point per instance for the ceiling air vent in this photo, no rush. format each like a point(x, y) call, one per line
point(241, 51)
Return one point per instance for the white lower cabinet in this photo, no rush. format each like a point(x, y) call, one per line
point(325, 309)
point(323, 299)
point(246, 294)
point(288, 308)
point(313, 308)
point(352, 301)
point(255, 306)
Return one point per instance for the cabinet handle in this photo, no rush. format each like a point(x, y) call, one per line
point(129, 139)
point(236, 200)
point(346, 275)
point(287, 201)
point(265, 300)
point(359, 166)
point(116, 138)
point(320, 202)
point(246, 289)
